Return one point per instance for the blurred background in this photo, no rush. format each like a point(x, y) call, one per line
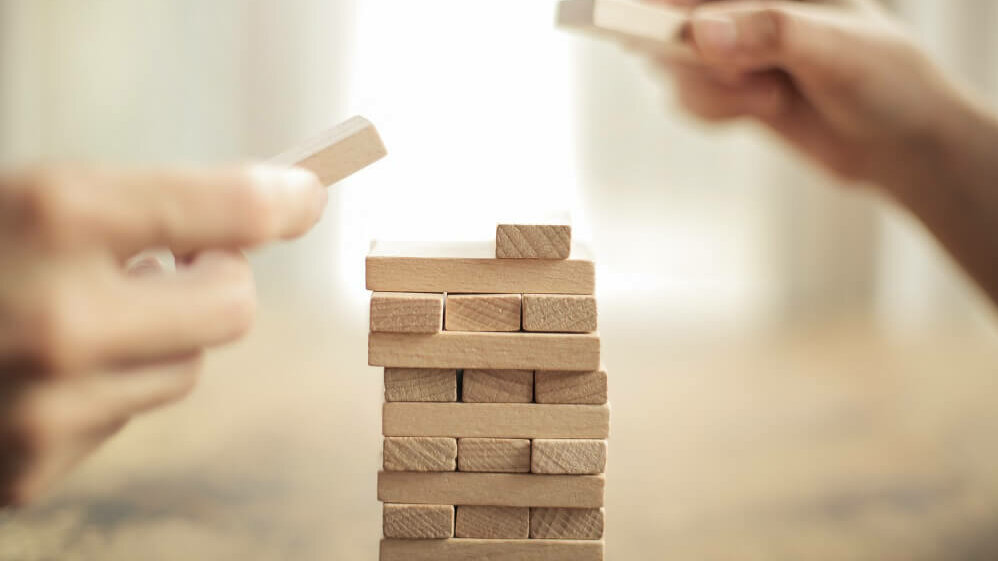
point(797, 370)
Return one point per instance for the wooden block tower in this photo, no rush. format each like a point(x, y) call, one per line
point(495, 418)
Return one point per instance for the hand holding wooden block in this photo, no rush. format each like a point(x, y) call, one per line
point(404, 312)
point(655, 28)
point(337, 152)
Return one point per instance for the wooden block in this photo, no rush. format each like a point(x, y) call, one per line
point(482, 312)
point(409, 521)
point(568, 456)
point(569, 386)
point(472, 268)
point(491, 489)
point(566, 523)
point(337, 152)
point(497, 386)
point(554, 313)
point(493, 455)
point(492, 522)
point(421, 453)
point(491, 550)
point(420, 384)
point(500, 351)
point(533, 241)
point(621, 21)
point(495, 420)
point(406, 312)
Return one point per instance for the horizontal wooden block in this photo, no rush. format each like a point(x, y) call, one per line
point(569, 386)
point(407, 312)
point(408, 521)
point(501, 351)
point(491, 550)
point(493, 455)
point(568, 456)
point(495, 420)
point(497, 386)
point(337, 152)
point(491, 489)
point(420, 453)
point(482, 312)
point(566, 313)
point(622, 24)
point(533, 241)
point(472, 268)
point(420, 384)
point(492, 522)
point(566, 523)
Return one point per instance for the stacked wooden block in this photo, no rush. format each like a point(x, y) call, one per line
point(495, 417)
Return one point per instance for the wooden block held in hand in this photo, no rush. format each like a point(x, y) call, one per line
point(533, 241)
point(495, 420)
point(420, 453)
point(420, 384)
point(492, 522)
point(491, 489)
point(502, 351)
point(497, 386)
point(493, 455)
point(337, 152)
point(482, 312)
point(491, 550)
point(559, 313)
point(406, 312)
point(622, 21)
point(568, 456)
point(566, 523)
point(418, 521)
point(570, 386)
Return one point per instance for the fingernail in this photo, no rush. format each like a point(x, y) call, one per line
point(715, 33)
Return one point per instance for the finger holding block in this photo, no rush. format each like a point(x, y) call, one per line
point(415, 522)
point(337, 152)
point(405, 312)
point(568, 456)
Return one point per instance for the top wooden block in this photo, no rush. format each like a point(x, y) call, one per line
point(654, 28)
point(338, 152)
point(472, 267)
point(533, 241)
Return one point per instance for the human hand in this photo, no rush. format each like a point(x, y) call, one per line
point(84, 344)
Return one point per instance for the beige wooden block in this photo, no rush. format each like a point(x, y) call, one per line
point(533, 241)
point(568, 456)
point(420, 453)
point(491, 550)
point(472, 268)
point(408, 521)
point(624, 21)
point(497, 386)
point(495, 420)
point(501, 351)
point(493, 455)
point(406, 312)
point(565, 313)
point(482, 312)
point(337, 152)
point(491, 489)
point(492, 522)
point(566, 523)
point(420, 384)
point(570, 386)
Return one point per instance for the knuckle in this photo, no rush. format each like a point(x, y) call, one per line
point(48, 208)
point(769, 26)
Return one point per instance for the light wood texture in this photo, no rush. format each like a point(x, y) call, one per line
point(566, 313)
point(492, 522)
point(406, 312)
point(493, 455)
point(568, 456)
point(482, 312)
point(503, 351)
point(420, 384)
point(337, 152)
point(420, 453)
point(497, 386)
point(491, 489)
point(533, 241)
point(570, 386)
point(566, 523)
point(472, 268)
point(491, 550)
point(618, 23)
point(495, 420)
point(409, 521)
